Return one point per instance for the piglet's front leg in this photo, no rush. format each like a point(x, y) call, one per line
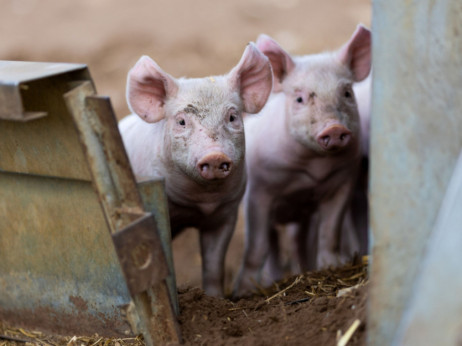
point(331, 215)
point(257, 243)
point(214, 239)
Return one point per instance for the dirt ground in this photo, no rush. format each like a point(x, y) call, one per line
point(316, 308)
point(302, 310)
point(186, 38)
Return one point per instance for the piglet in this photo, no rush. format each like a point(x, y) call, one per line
point(363, 98)
point(303, 152)
point(359, 206)
point(191, 132)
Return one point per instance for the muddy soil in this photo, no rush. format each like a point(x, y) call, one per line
point(315, 308)
point(301, 310)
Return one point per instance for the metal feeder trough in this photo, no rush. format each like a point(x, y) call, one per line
point(83, 248)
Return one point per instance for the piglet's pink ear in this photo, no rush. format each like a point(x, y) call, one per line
point(356, 53)
point(148, 86)
point(253, 78)
point(281, 62)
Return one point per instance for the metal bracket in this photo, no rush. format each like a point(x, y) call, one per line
point(11, 91)
point(140, 254)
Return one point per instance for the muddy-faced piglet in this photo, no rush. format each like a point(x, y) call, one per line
point(191, 132)
point(303, 153)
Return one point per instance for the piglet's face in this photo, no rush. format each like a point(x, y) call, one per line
point(321, 111)
point(204, 129)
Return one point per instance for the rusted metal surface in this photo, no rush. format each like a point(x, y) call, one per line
point(15, 82)
point(416, 138)
point(58, 269)
point(140, 254)
point(155, 201)
point(47, 146)
point(108, 163)
point(115, 184)
point(62, 193)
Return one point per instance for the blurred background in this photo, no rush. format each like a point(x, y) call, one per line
point(186, 38)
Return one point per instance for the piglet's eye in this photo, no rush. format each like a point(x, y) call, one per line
point(299, 99)
point(347, 93)
point(182, 122)
point(233, 116)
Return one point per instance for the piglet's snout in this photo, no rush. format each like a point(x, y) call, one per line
point(334, 137)
point(214, 165)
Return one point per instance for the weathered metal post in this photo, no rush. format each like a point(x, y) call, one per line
point(133, 230)
point(416, 138)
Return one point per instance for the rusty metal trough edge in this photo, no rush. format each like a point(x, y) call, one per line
point(115, 184)
point(163, 330)
point(11, 106)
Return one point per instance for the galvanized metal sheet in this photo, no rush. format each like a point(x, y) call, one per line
point(132, 228)
point(115, 178)
point(155, 201)
point(432, 316)
point(415, 141)
point(65, 185)
point(58, 268)
point(15, 77)
point(46, 146)
point(122, 204)
point(140, 254)
point(16, 72)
